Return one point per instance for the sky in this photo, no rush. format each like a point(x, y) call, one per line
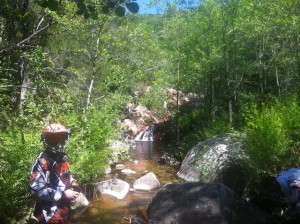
point(144, 9)
point(158, 8)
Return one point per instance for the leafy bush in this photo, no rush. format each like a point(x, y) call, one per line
point(18, 149)
point(291, 121)
point(267, 140)
point(218, 126)
point(93, 132)
point(153, 100)
point(88, 149)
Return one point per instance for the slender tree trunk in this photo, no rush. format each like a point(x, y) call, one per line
point(261, 70)
point(177, 106)
point(276, 70)
point(225, 42)
point(298, 55)
point(88, 102)
point(24, 82)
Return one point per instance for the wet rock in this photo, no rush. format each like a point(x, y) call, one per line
point(81, 204)
point(128, 171)
point(130, 127)
point(114, 187)
point(219, 159)
point(139, 117)
point(135, 220)
point(120, 166)
point(81, 201)
point(197, 203)
point(147, 182)
point(169, 159)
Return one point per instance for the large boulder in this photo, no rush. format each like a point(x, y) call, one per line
point(219, 159)
point(147, 182)
point(114, 187)
point(200, 203)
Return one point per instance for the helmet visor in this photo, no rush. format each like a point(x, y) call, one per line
point(55, 139)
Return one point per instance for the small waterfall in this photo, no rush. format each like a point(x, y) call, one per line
point(145, 135)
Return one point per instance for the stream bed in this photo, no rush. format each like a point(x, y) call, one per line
point(145, 156)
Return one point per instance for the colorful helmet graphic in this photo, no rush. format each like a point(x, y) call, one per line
point(55, 137)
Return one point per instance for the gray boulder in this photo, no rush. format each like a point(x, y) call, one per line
point(219, 159)
point(146, 182)
point(200, 203)
point(114, 187)
point(169, 159)
point(81, 201)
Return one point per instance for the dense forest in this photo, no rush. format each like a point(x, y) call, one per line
point(80, 62)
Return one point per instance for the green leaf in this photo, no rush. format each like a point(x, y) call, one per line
point(81, 6)
point(80, 12)
point(111, 4)
point(43, 3)
point(133, 7)
point(53, 5)
point(105, 9)
point(86, 15)
point(120, 11)
point(91, 8)
point(94, 15)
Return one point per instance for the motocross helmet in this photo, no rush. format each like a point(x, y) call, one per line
point(55, 137)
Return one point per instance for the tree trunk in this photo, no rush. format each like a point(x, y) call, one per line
point(88, 102)
point(276, 70)
point(25, 82)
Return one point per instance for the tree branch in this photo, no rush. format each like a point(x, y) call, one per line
point(20, 44)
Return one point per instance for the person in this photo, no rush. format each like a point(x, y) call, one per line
point(289, 182)
point(51, 183)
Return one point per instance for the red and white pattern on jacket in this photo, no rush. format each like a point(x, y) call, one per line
point(49, 179)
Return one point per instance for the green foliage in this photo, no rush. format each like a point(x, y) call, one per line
point(192, 123)
point(120, 11)
point(267, 139)
point(132, 6)
point(291, 123)
point(218, 126)
point(153, 99)
point(19, 146)
point(230, 53)
point(91, 137)
point(91, 9)
point(291, 117)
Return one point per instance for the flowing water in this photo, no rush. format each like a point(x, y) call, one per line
point(145, 158)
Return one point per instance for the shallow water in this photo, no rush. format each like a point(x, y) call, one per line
point(106, 209)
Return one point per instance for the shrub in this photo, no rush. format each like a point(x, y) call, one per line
point(267, 140)
point(290, 114)
point(18, 149)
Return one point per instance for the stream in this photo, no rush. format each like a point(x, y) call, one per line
point(145, 156)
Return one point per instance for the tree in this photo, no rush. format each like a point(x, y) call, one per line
point(25, 24)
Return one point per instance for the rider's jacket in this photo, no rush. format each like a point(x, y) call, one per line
point(50, 177)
